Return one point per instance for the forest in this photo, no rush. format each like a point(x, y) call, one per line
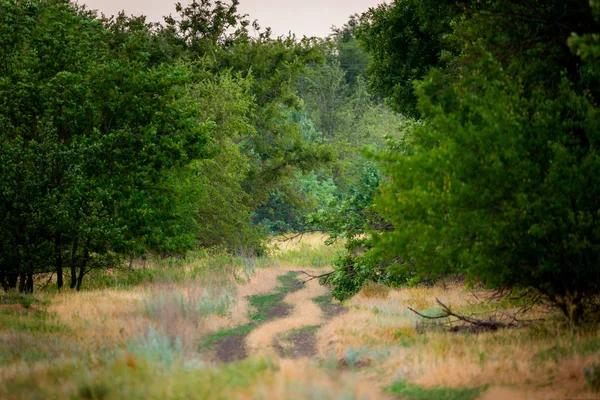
point(178, 196)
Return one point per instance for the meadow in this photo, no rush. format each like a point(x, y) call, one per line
point(212, 326)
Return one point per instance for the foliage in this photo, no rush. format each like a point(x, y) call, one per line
point(405, 38)
point(74, 112)
point(499, 182)
point(119, 137)
point(592, 376)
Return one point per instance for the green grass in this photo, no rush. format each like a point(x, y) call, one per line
point(263, 304)
point(135, 378)
point(33, 335)
point(24, 299)
point(324, 300)
point(414, 392)
point(214, 338)
point(35, 321)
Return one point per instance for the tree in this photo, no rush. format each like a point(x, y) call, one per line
point(91, 127)
point(405, 39)
point(500, 181)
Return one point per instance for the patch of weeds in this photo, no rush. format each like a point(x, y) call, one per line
point(591, 346)
point(33, 336)
point(413, 392)
point(25, 300)
point(94, 391)
point(263, 304)
point(190, 307)
point(298, 342)
point(304, 329)
point(375, 290)
point(363, 356)
point(330, 364)
point(320, 260)
point(158, 347)
point(329, 309)
point(37, 321)
point(317, 256)
point(289, 282)
point(554, 353)
point(592, 376)
point(134, 379)
point(352, 357)
point(324, 300)
point(405, 338)
point(214, 338)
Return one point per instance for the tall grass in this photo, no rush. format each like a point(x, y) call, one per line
point(134, 333)
point(308, 250)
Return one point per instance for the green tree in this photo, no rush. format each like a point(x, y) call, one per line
point(405, 38)
point(500, 181)
point(91, 126)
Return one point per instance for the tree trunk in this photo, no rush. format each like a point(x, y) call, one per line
point(22, 282)
point(73, 264)
point(73, 276)
point(59, 262)
point(29, 283)
point(86, 257)
point(13, 279)
point(3, 279)
point(80, 276)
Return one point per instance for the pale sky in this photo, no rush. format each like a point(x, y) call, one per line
point(302, 17)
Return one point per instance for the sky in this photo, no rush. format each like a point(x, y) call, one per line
point(302, 17)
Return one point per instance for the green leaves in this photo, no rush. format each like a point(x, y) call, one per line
point(499, 182)
point(90, 131)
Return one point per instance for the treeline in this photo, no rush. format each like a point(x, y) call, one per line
point(121, 138)
point(497, 175)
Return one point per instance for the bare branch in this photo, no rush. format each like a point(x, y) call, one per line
point(507, 320)
point(311, 277)
point(297, 235)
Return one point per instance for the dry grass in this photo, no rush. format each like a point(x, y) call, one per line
point(93, 337)
point(281, 245)
point(308, 250)
point(438, 358)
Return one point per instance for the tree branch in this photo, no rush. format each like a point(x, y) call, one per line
point(311, 277)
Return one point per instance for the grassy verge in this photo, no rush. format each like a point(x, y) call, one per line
point(127, 334)
point(413, 392)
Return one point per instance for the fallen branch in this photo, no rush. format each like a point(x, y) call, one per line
point(311, 277)
point(489, 324)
